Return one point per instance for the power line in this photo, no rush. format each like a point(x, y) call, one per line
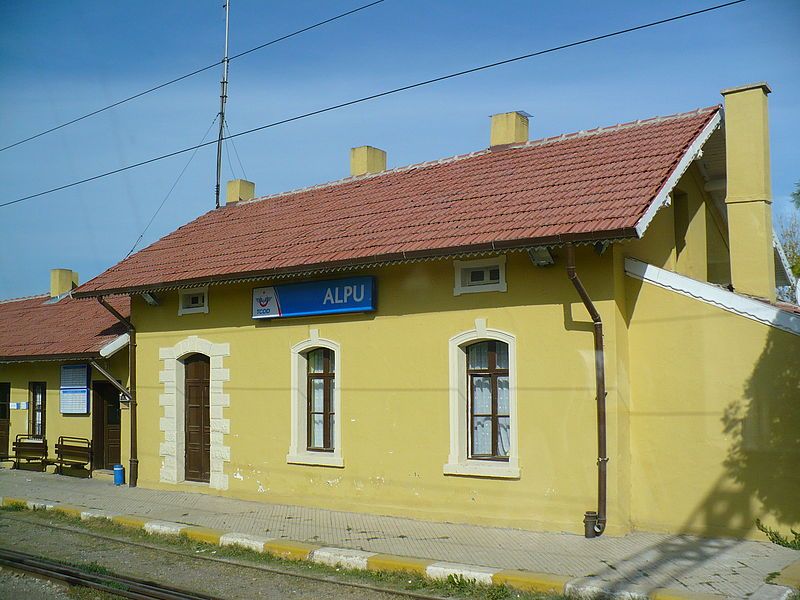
point(169, 193)
point(380, 95)
point(187, 75)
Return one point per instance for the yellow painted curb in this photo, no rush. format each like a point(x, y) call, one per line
point(390, 562)
point(529, 581)
point(667, 594)
point(790, 575)
point(203, 534)
point(130, 521)
point(68, 509)
point(289, 549)
point(9, 501)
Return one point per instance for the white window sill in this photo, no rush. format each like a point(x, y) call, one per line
point(476, 468)
point(316, 459)
point(475, 289)
point(193, 311)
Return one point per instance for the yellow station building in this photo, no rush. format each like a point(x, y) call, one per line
point(57, 359)
point(524, 336)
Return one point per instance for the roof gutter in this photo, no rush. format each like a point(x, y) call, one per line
point(133, 471)
point(595, 521)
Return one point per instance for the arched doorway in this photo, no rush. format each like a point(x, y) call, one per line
point(198, 432)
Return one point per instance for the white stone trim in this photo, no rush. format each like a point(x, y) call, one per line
point(114, 346)
point(743, 306)
point(172, 448)
point(298, 454)
point(342, 557)
point(459, 265)
point(458, 462)
point(663, 196)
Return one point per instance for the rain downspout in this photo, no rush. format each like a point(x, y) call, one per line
point(133, 470)
point(595, 521)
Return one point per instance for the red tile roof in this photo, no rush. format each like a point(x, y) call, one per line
point(30, 328)
point(587, 186)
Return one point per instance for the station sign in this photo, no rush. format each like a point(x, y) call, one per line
point(326, 297)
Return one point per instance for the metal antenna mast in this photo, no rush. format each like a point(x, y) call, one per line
point(223, 97)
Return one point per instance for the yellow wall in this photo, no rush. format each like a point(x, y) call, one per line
point(395, 401)
point(57, 424)
point(715, 418)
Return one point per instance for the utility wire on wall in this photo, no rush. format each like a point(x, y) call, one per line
point(187, 75)
point(380, 95)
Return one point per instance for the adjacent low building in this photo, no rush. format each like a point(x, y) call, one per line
point(575, 333)
point(52, 349)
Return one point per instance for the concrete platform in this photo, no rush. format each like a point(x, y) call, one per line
point(638, 565)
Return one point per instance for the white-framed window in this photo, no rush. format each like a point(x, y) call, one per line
point(483, 404)
point(484, 275)
point(316, 435)
point(194, 300)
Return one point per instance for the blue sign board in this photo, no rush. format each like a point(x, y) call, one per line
point(328, 297)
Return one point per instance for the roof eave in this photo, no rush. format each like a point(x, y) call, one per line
point(441, 253)
point(662, 198)
point(49, 357)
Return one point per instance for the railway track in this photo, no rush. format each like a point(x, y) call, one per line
point(127, 587)
point(157, 588)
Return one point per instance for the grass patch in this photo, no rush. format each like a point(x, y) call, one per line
point(14, 507)
point(452, 587)
point(776, 537)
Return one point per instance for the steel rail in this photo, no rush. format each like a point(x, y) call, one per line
point(128, 587)
point(228, 561)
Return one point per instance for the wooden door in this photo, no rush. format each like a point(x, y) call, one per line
point(5, 417)
point(105, 425)
point(198, 430)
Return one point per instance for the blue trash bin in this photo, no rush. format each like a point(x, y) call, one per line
point(119, 474)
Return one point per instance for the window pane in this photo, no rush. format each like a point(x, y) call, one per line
point(494, 275)
point(504, 436)
point(481, 395)
point(501, 348)
point(331, 361)
point(317, 400)
point(330, 393)
point(476, 276)
point(315, 361)
point(317, 440)
point(478, 356)
point(481, 435)
point(502, 396)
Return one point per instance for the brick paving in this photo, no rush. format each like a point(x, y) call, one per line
point(734, 568)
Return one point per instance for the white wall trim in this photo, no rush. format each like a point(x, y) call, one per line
point(663, 196)
point(743, 306)
point(458, 462)
point(298, 452)
point(197, 309)
point(114, 346)
point(173, 447)
point(459, 288)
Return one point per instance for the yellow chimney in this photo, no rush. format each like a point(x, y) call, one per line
point(366, 159)
point(62, 281)
point(509, 128)
point(240, 189)
point(749, 192)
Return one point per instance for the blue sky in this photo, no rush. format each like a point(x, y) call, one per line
point(61, 59)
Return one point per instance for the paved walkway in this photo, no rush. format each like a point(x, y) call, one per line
point(732, 568)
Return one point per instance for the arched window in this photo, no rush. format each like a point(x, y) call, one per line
point(316, 397)
point(320, 414)
point(489, 400)
point(484, 429)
